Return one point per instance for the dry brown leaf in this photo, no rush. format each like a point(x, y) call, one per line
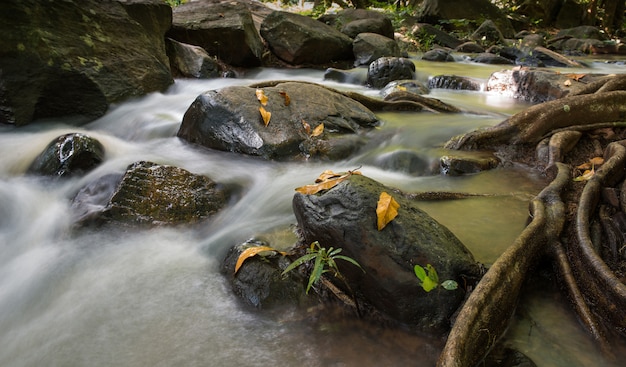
point(319, 129)
point(597, 161)
point(576, 77)
point(386, 210)
point(250, 252)
point(307, 127)
point(266, 115)
point(286, 96)
point(327, 180)
point(592, 163)
point(260, 95)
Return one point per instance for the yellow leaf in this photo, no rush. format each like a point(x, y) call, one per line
point(266, 115)
point(250, 252)
point(260, 95)
point(386, 210)
point(586, 176)
point(318, 130)
point(596, 161)
point(576, 77)
point(327, 180)
point(286, 96)
point(307, 127)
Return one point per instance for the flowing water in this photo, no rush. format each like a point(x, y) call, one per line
point(155, 297)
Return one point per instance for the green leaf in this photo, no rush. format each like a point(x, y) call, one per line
point(432, 273)
point(350, 260)
point(429, 285)
point(299, 261)
point(450, 285)
point(316, 274)
point(419, 272)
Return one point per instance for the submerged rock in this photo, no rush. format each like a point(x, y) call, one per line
point(150, 194)
point(68, 155)
point(345, 217)
point(387, 69)
point(229, 119)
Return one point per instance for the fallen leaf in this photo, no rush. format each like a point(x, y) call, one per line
point(586, 176)
point(307, 127)
point(567, 83)
point(597, 161)
point(386, 210)
point(266, 115)
point(260, 95)
point(286, 96)
point(319, 129)
point(576, 77)
point(591, 164)
point(252, 251)
point(327, 180)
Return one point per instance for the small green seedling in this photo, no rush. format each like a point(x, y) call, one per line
point(429, 279)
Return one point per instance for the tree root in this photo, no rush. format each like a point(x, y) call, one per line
point(483, 320)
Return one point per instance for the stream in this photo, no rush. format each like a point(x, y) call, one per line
point(155, 297)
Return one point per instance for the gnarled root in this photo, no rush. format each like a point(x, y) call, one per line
point(486, 314)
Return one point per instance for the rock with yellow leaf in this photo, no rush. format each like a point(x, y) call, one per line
point(345, 215)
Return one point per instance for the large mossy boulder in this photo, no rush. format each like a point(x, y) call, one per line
point(68, 58)
point(298, 39)
point(345, 217)
point(68, 155)
point(225, 30)
point(149, 194)
point(230, 119)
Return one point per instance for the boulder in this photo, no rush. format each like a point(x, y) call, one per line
point(345, 217)
point(354, 21)
point(68, 155)
point(258, 282)
point(297, 39)
point(224, 29)
point(454, 82)
point(191, 61)
point(537, 86)
point(425, 31)
point(387, 69)
point(432, 11)
point(459, 163)
point(149, 194)
point(405, 161)
point(408, 85)
point(438, 54)
point(70, 58)
point(352, 76)
point(488, 32)
point(229, 119)
point(368, 47)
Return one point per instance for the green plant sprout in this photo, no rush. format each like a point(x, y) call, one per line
point(429, 279)
point(324, 262)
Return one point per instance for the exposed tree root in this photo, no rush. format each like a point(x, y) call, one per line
point(486, 314)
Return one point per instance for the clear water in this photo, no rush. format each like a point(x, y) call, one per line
point(154, 297)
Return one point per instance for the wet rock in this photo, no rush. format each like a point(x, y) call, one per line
point(223, 29)
point(489, 58)
point(354, 21)
point(406, 161)
point(432, 11)
point(353, 76)
point(453, 82)
point(438, 54)
point(229, 119)
point(150, 194)
point(470, 47)
point(411, 86)
point(534, 85)
point(68, 155)
point(76, 58)
point(345, 216)
point(368, 47)
point(191, 61)
point(258, 282)
point(387, 69)
point(467, 162)
point(424, 30)
point(488, 32)
point(297, 39)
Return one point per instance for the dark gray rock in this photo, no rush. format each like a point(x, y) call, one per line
point(69, 58)
point(229, 119)
point(381, 26)
point(488, 32)
point(352, 76)
point(224, 29)
point(345, 217)
point(406, 161)
point(258, 282)
point(191, 61)
point(470, 47)
point(453, 82)
point(489, 58)
point(387, 69)
point(150, 194)
point(442, 38)
point(439, 55)
point(297, 39)
point(368, 47)
point(409, 85)
point(461, 163)
point(68, 155)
